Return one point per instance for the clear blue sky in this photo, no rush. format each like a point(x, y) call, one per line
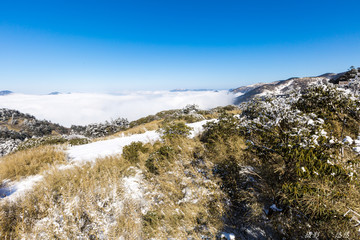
point(110, 46)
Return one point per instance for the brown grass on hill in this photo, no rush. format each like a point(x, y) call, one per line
point(93, 201)
point(29, 162)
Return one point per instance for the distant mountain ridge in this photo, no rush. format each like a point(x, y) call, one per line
point(193, 90)
point(54, 93)
point(281, 87)
point(5, 92)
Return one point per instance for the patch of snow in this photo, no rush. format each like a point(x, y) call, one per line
point(134, 190)
point(323, 132)
point(238, 94)
point(198, 127)
point(320, 120)
point(311, 122)
point(357, 145)
point(278, 89)
point(348, 140)
point(14, 190)
point(275, 209)
point(90, 152)
point(227, 236)
point(357, 149)
point(327, 161)
point(132, 186)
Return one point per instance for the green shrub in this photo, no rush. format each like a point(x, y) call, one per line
point(160, 159)
point(78, 141)
point(51, 140)
point(226, 127)
point(132, 152)
point(152, 219)
point(175, 130)
point(303, 174)
point(42, 141)
point(329, 103)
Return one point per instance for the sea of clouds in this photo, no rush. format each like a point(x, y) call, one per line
point(85, 108)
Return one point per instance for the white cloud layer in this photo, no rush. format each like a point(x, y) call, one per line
point(86, 108)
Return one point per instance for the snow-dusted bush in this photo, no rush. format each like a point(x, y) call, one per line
point(52, 140)
point(301, 155)
point(8, 146)
point(174, 130)
point(226, 127)
point(132, 151)
point(101, 129)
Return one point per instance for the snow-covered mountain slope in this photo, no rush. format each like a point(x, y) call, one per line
point(278, 88)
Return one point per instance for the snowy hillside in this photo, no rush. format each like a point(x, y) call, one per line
point(279, 88)
point(282, 165)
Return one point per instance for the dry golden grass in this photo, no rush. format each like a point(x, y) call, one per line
point(78, 202)
point(92, 201)
point(30, 162)
point(184, 203)
point(233, 147)
point(15, 128)
point(234, 112)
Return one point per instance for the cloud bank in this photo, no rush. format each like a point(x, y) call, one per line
point(86, 108)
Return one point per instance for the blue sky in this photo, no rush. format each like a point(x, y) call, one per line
point(113, 46)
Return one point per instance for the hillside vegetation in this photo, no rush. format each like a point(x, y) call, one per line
point(273, 168)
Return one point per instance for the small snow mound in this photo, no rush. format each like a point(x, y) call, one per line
point(275, 208)
point(132, 186)
point(311, 122)
point(357, 149)
point(198, 127)
point(348, 140)
point(227, 236)
point(357, 145)
point(134, 189)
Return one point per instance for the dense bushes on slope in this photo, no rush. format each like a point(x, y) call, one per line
point(303, 167)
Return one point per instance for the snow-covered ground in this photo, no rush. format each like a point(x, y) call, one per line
point(81, 154)
point(13, 190)
point(90, 152)
point(277, 91)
